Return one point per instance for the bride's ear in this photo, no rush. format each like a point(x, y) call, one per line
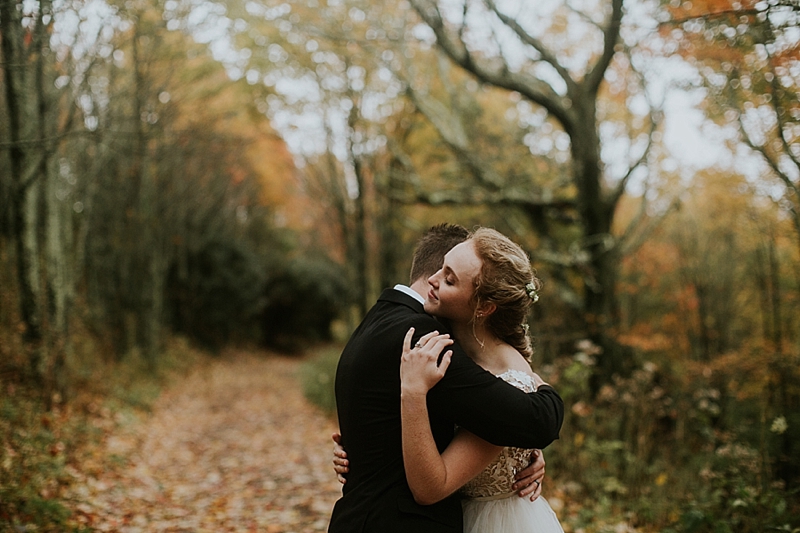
point(486, 309)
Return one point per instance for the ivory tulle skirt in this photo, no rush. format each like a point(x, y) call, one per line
point(509, 515)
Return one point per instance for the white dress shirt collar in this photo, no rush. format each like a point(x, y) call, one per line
point(411, 292)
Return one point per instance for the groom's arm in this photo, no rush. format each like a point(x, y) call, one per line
point(494, 410)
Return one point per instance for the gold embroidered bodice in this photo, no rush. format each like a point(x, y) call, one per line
point(497, 478)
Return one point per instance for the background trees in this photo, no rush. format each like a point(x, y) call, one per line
point(747, 59)
point(141, 181)
point(521, 57)
point(748, 55)
point(255, 172)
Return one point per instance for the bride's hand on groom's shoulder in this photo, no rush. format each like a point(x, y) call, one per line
point(420, 368)
point(340, 462)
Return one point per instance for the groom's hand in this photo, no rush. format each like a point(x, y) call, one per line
point(529, 481)
point(340, 462)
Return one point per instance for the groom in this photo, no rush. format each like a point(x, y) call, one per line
point(376, 497)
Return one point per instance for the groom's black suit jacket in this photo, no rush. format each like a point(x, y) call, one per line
point(376, 497)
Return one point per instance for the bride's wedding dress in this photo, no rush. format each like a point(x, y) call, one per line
point(490, 506)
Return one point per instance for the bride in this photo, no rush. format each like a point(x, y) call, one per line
point(484, 290)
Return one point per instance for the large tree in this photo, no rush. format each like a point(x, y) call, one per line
point(559, 65)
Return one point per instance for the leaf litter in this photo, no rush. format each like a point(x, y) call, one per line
point(235, 447)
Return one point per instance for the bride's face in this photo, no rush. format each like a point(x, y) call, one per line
point(451, 288)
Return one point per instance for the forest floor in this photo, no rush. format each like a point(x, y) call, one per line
point(233, 447)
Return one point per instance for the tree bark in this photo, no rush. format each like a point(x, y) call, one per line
point(388, 270)
point(23, 175)
point(150, 253)
point(775, 293)
point(360, 249)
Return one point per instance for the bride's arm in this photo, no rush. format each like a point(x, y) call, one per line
point(431, 476)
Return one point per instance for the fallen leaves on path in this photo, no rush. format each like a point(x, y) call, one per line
point(234, 447)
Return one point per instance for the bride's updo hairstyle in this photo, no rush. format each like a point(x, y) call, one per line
point(506, 279)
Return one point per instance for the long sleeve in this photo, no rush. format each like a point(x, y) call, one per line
point(493, 409)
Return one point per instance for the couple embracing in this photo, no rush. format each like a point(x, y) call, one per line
point(439, 435)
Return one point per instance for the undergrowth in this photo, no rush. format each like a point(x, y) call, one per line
point(645, 454)
point(317, 376)
point(46, 441)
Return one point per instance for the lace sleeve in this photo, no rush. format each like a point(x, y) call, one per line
point(519, 379)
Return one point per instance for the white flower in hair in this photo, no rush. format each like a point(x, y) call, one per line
point(533, 294)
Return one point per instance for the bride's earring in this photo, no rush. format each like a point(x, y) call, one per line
point(474, 334)
point(483, 344)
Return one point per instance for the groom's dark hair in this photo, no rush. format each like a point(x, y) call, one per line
point(432, 247)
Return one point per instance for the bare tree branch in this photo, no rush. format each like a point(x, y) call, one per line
point(776, 168)
point(510, 196)
point(610, 39)
point(619, 190)
point(479, 196)
point(532, 88)
point(654, 114)
point(450, 127)
point(768, 158)
point(443, 64)
point(584, 16)
point(446, 123)
point(535, 43)
point(776, 108)
point(452, 131)
point(628, 244)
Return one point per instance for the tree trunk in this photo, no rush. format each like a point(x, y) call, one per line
point(388, 270)
point(23, 194)
point(149, 253)
point(775, 293)
point(360, 240)
point(576, 111)
point(29, 275)
point(155, 308)
point(59, 280)
point(359, 258)
point(703, 318)
point(601, 309)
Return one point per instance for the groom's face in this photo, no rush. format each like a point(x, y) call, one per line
point(452, 287)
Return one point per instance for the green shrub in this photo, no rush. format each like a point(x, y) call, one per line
point(734, 499)
point(37, 442)
point(302, 300)
point(220, 294)
point(318, 375)
point(665, 448)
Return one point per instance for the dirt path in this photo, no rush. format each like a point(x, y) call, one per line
point(235, 447)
